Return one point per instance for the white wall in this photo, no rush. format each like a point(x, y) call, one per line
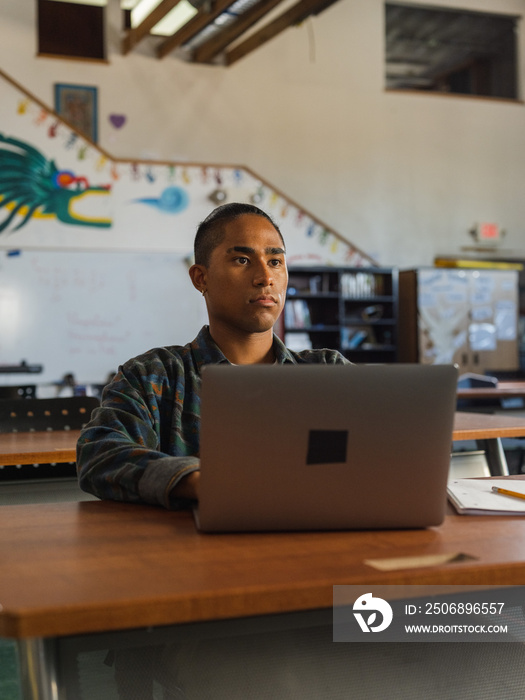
point(401, 176)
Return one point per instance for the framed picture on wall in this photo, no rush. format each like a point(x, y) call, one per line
point(77, 104)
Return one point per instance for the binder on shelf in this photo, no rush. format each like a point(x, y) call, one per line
point(297, 314)
point(298, 341)
point(352, 338)
point(358, 285)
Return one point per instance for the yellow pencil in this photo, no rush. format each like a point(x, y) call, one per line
point(505, 492)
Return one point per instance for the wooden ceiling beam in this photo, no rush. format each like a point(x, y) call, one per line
point(193, 27)
point(133, 36)
point(295, 15)
point(206, 51)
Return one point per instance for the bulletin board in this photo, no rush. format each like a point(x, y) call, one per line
point(87, 312)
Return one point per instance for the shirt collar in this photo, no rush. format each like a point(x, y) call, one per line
point(206, 352)
point(282, 354)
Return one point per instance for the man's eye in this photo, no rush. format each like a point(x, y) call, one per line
point(242, 260)
point(276, 262)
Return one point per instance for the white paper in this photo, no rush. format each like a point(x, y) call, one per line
point(477, 494)
point(482, 336)
point(505, 319)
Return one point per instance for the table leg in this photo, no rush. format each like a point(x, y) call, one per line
point(38, 669)
point(495, 456)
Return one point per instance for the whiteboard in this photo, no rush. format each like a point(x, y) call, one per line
point(88, 312)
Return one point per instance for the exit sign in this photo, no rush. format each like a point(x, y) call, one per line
point(489, 233)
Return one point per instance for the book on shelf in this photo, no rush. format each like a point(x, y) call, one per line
point(357, 285)
point(297, 314)
point(298, 341)
point(352, 338)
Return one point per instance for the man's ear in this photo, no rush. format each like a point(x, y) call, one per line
point(198, 277)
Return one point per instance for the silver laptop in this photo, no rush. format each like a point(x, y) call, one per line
point(317, 447)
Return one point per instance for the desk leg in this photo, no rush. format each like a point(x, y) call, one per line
point(38, 664)
point(495, 456)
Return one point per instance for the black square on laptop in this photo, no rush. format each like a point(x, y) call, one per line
point(327, 446)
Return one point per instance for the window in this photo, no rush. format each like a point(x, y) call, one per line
point(71, 29)
point(450, 51)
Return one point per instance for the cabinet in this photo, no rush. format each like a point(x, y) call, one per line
point(353, 310)
point(468, 317)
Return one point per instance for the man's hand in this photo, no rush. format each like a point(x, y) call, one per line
point(188, 487)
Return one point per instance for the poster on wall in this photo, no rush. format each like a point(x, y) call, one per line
point(77, 104)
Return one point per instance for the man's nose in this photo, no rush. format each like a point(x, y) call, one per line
point(263, 276)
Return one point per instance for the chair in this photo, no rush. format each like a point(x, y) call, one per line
point(43, 483)
point(32, 415)
point(27, 391)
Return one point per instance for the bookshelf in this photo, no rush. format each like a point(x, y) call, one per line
point(353, 310)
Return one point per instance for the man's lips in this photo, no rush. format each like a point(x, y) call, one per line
point(264, 300)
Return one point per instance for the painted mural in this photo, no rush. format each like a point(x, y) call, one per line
point(31, 185)
point(59, 190)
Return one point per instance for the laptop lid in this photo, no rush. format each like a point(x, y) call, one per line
point(314, 447)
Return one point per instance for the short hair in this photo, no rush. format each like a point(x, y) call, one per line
point(210, 232)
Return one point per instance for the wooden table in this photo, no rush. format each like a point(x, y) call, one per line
point(484, 426)
point(75, 568)
point(504, 390)
point(38, 447)
point(487, 430)
point(60, 446)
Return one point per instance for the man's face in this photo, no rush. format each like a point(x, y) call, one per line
point(246, 278)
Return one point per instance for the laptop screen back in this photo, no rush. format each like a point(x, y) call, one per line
point(295, 447)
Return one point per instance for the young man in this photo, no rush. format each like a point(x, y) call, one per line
point(142, 444)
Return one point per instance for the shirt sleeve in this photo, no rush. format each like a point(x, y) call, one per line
point(337, 358)
point(325, 356)
point(119, 454)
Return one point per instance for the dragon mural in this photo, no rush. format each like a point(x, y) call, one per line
point(33, 186)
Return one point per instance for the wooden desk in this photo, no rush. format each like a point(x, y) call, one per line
point(38, 447)
point(485, 426)
point(504, 390)
point(75, 568)
point(60, 446)
point(488, 429)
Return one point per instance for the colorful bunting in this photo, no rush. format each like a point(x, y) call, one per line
point(41, 117)
point(101, 162)
point(311, 229)
point(323, 236)
point(235, 175)
point(71, 140)
point(52, 131)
